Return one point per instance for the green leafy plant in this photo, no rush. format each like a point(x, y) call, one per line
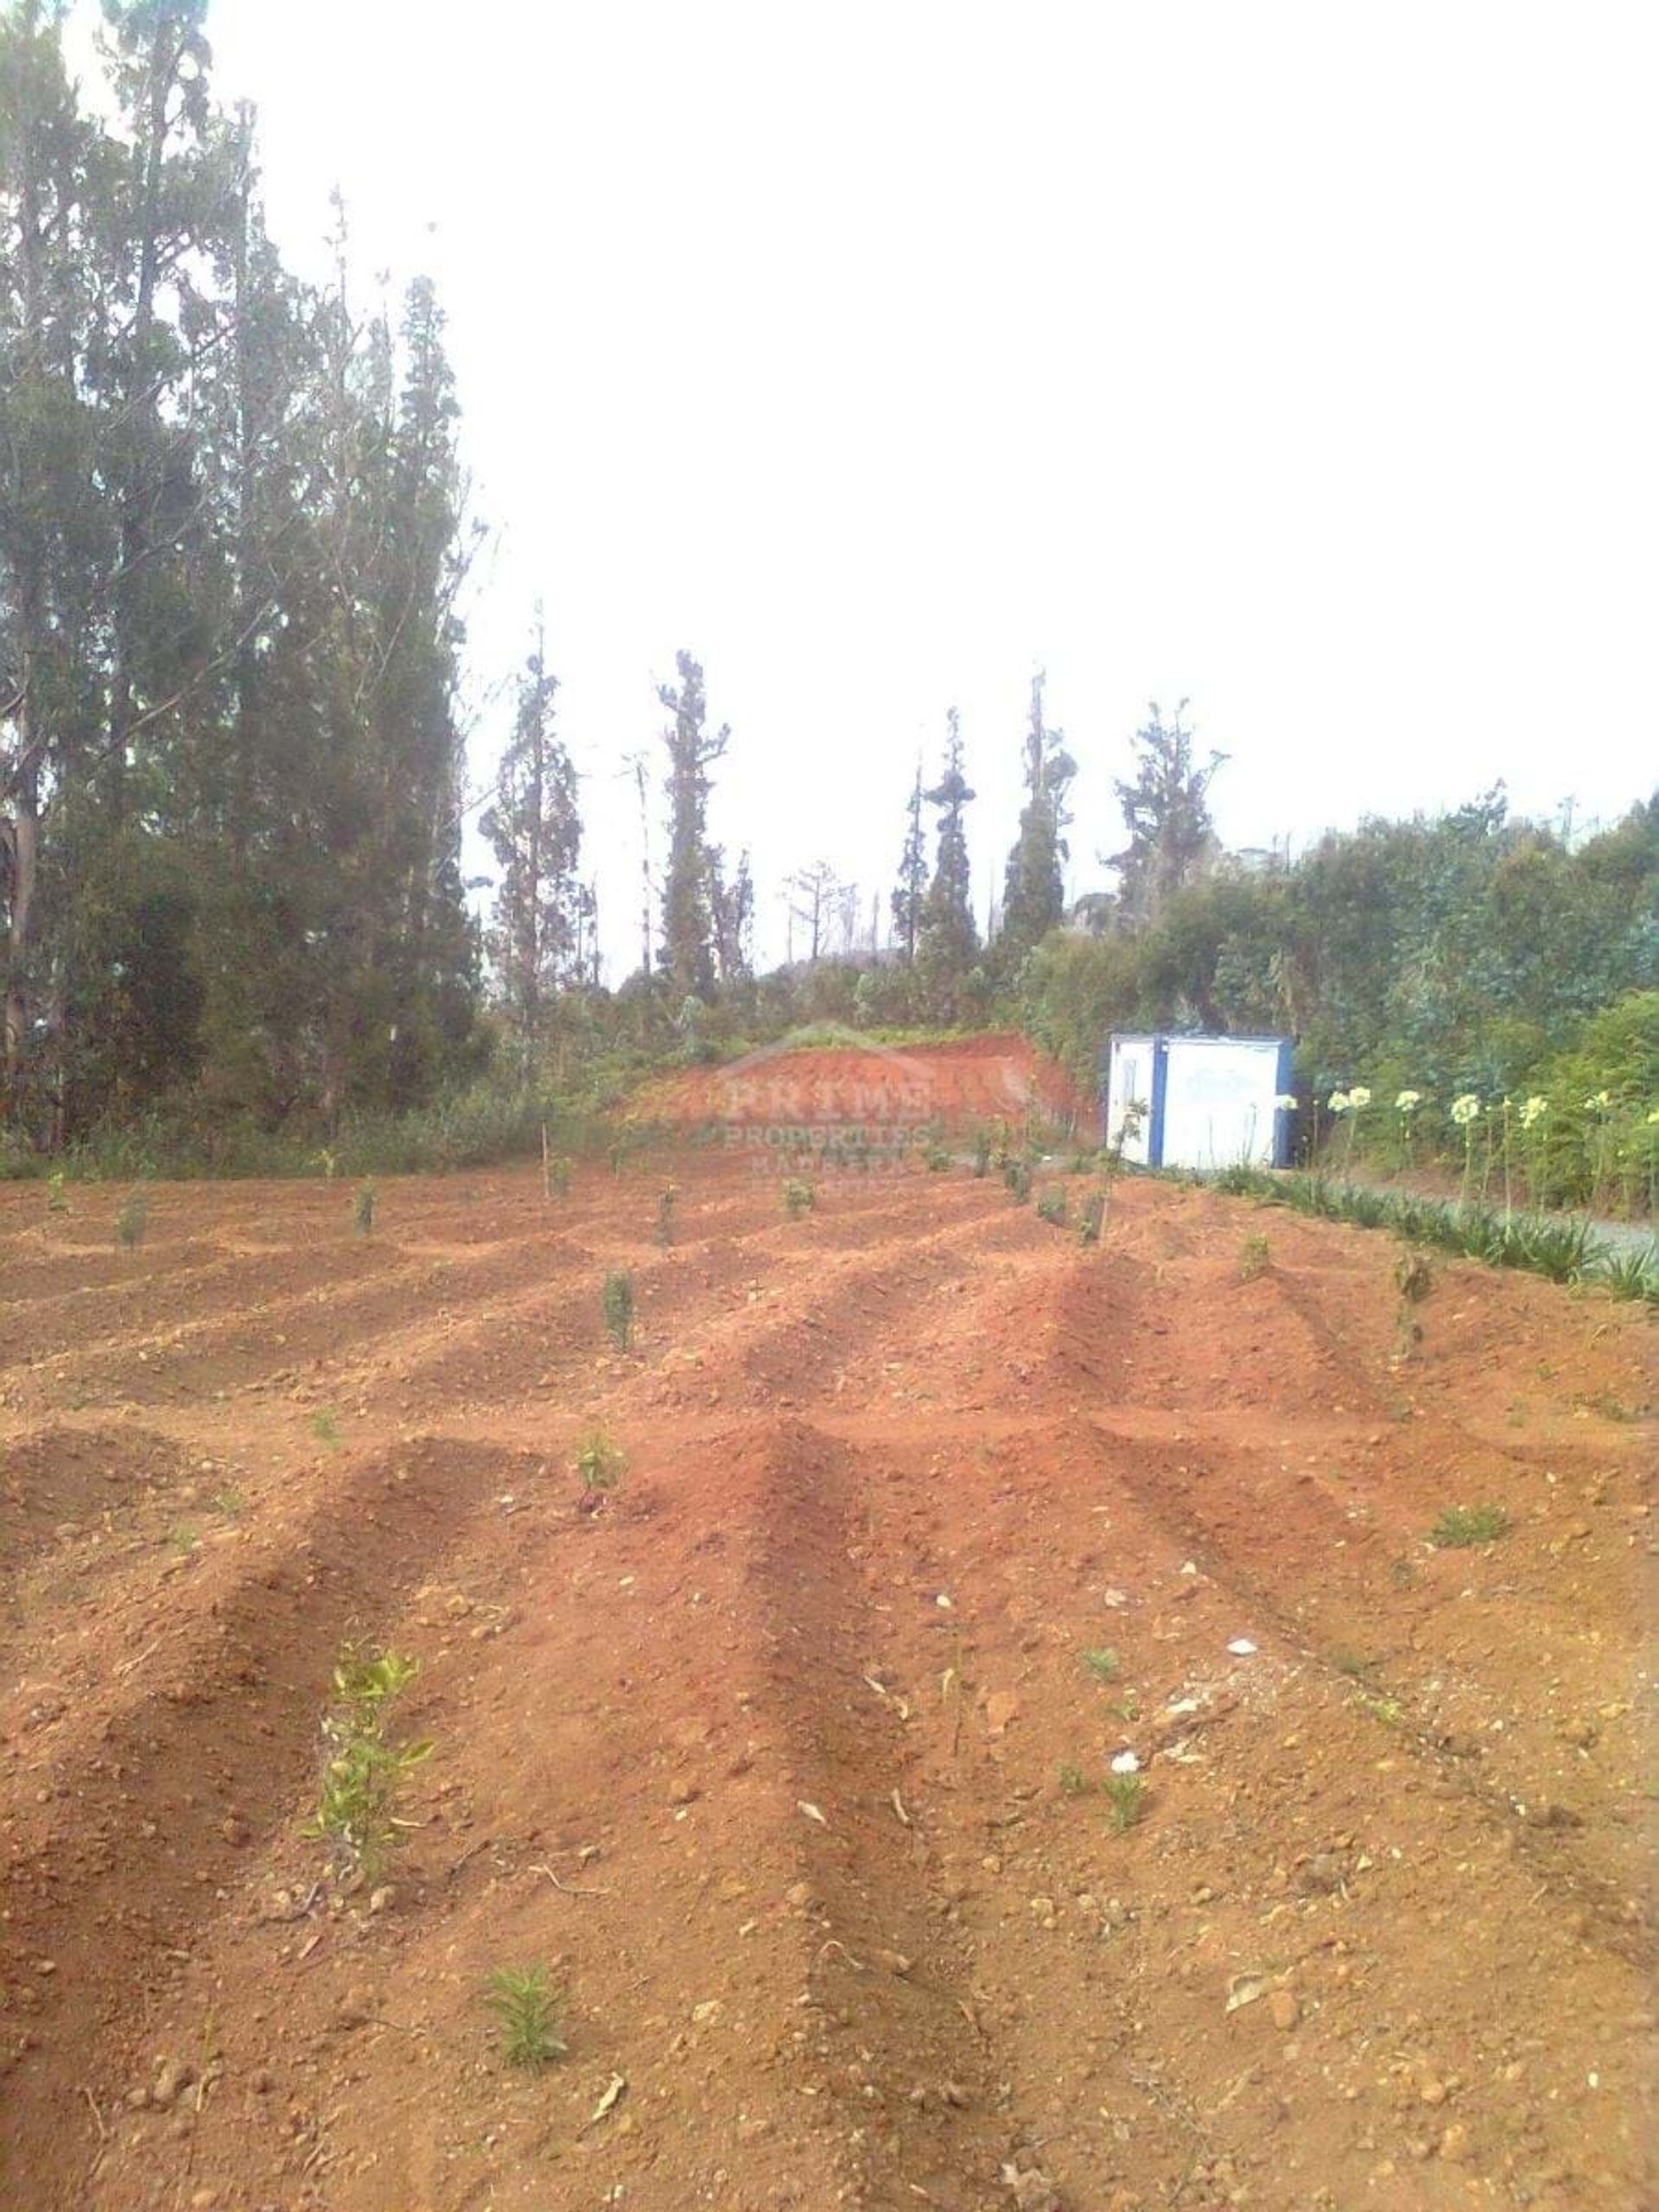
point(1016, 1177)
point(800, 1196)
point(1629, 1273)
point(982, 1152)
point(132, 1220)
point(325, 1426)
point(666, 1203)
point(527, 2020)
point(363, 1209)
point(56, 1200)
point(1071, 1779)
point(1254, 1257)
point(1460, 1526)
point(1125, 1794)
point(1093, 1213)
point(1052, 1207)
point(601, 1463)
point(937, 1159)
point(618, 1301)
point(363, 1772)
point(1104, 1664)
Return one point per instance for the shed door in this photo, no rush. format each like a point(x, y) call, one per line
point(1131, 1085)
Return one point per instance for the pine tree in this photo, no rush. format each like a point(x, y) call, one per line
point(910, 893)
point(535, 830)
point(949, 941)
point(1034, 894)
point(688, 956)
point(1172, 840)
point(733, 917)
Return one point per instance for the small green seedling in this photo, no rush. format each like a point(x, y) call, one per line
point(132, 1220)
point(800, 1196)
point(1104, 1664)
point(1413, 1277)
point(667, 1200)
point(937, 1159)
point(56, 1200)
point(1052, 1207)
point(526, 2012)
point(363, 1206)
point(1072, 1780)
point(1016, 1176)
point(1125, 1794)
point(601, 1463)
point(1460, 1526)
point(1253, 1257)
point(328, 1161)
point(558, 1175)
point(326, 1428)
point(982, 1152)
point(363, 1773)
point(1090, 1220)
point(618, 1307)
point(616, 1152)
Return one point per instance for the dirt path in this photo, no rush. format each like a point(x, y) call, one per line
point(788, 1763)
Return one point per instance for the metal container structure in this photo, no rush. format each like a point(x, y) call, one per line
point(1203, 1102)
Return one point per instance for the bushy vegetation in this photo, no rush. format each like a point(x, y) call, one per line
point(1562, 1249)
point(1430, 962)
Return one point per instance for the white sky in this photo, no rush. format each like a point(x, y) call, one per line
point(1302, 358)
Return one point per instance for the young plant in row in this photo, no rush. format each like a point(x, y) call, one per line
point(617, 1299)
point(601, 1465)
point(527, 2015)
point(364, 1772)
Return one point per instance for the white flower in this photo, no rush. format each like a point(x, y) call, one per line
point(1359, 1097)
point(1465, 1108)
point(1338, 1102)
point(1597, 1103)
point(1286, 1102)
point(1532, 1109)
point(1126, 1763)
point(1653, 1116)
point(1408, 1102)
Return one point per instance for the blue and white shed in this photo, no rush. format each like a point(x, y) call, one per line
point(1206, 1101)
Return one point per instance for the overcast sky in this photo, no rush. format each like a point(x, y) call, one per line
point(1297, 358)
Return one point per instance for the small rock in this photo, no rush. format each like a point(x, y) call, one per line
point(234, 1829)
point(1033, 2191)
point(355, 2008)
point(1002, 1708)
point(381, 1900)
point(172, 2078)
point(1433, 2092)
point(684, 1793)
point(1454, 2143)
point(1283, 2010)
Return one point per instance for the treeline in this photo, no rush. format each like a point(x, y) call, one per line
point(233, 533)
point(231, 536)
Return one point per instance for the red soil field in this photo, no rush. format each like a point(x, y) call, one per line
point(788, 1762)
